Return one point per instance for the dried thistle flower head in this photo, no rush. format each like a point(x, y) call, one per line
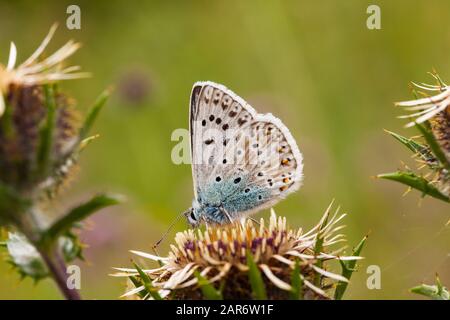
point(440, 127)
point(20, 133)
point(28, 104)
point(36, 71)
point(434, 111)
point(222, 256)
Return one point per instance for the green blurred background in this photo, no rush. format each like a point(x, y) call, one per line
point(312, 63)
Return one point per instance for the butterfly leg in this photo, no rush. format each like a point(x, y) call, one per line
point(206, 222)
point(225, 212)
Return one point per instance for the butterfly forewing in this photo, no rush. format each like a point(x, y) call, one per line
point(241, 160)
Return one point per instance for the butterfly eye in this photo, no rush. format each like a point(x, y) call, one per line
point(192, 216)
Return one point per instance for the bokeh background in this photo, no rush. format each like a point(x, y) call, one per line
point(312, 63)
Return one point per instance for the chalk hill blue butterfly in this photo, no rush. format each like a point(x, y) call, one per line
point(242, 161)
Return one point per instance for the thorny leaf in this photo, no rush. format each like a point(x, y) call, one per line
point(414, 181)
point(147, 282)
point(422, 150)
point(25, 257)
point(257, 284)
point(435, 292)
point(209, 292)
point(348, 267)
point(296, 283)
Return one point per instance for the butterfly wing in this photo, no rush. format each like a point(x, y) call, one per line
point(241, 160)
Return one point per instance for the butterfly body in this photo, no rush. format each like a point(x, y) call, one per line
point(227, 200)
point(242, 161)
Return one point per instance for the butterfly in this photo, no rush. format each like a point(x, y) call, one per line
point(242, 161)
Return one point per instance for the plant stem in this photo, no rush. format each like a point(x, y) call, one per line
point(50, 254)
point(57, 268)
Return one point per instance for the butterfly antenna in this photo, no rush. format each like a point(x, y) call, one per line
point(157, 243)
point(255, 221)
point(258, 223)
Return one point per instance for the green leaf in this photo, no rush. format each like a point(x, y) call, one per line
point(208, 290)
point(71, 247)
point(148, 283)
point(348, 267)
point(25, 257)
point(415, 147)
point(296, 283)
point(434, 146)
point(78, 214)
point(137, 284)
point(46, 134)
point(93, 113)
point(435, 292)
point(419, 183)
point(256, 281)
